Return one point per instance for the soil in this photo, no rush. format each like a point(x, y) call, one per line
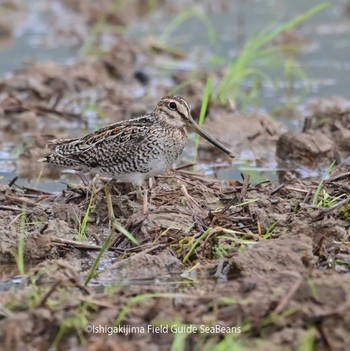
point(263, 257)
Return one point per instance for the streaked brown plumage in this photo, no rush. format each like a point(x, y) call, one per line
point(133, 150)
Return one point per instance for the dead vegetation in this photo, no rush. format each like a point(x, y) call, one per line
point(211, 252)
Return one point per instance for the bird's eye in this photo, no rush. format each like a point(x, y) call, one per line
point(172, 105)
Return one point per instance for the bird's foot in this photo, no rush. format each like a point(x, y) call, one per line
point(142, 199)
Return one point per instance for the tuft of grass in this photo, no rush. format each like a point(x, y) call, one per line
point(320, 185)
point(83, 223)
point(270, 230)
point(195, 244)
point(326, 200)
point(254, 57)
point(226, 244)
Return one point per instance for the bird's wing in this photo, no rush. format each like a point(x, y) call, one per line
point(107, 146)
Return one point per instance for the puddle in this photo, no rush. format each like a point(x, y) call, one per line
point(16, 283)
point(101, 285)
point(10, 280)
point(45, 185)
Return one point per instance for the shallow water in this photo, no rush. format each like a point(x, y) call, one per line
point(10, 278)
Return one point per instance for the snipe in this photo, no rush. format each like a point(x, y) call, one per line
point(132, 150)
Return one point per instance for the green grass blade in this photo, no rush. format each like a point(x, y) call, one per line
point(320, 185)
point(92, 272)
point(254, 55)
point(195, 244)
point(126, 233)
point(83, 224)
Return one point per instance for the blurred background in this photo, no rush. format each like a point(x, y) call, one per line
point(69, 67)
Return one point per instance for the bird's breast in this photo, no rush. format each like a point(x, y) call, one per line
point(174, 144)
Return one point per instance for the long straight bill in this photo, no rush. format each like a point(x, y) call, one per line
point(212, 140)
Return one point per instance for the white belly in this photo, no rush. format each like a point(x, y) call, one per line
point(156, 167)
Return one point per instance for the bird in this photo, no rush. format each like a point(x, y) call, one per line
point(132, 150)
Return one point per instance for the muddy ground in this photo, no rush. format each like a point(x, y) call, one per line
point(269, 258)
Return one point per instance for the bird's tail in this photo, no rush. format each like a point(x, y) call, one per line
point(60, 160)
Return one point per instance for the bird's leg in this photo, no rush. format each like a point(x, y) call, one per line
point(108, 187)
point(142, 199)
point(95, 181)
point(150, 183)
point(139, 195)
point(83, 178)
point(145, 202)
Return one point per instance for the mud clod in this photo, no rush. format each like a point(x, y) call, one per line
point(310, 149)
